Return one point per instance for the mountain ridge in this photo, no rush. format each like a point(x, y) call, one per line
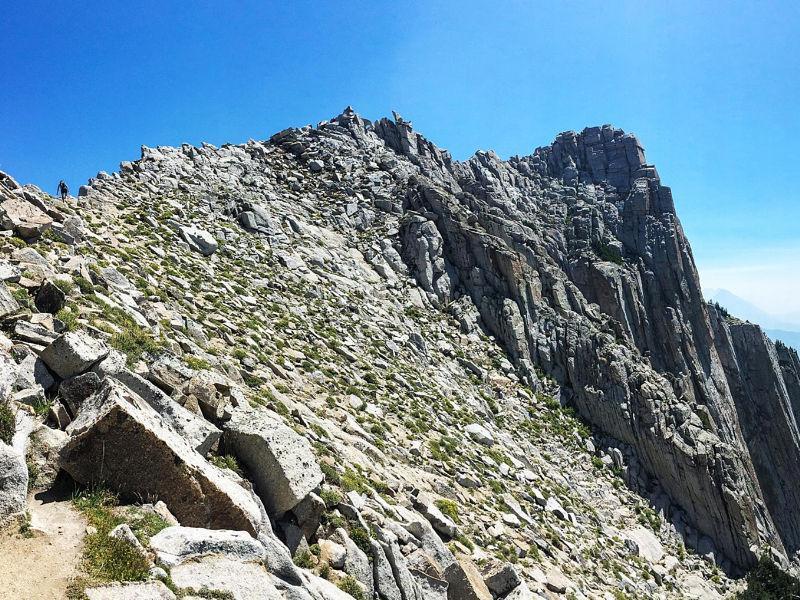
point(571, 258)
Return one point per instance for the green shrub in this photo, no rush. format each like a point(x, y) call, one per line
point(331, 498)
point(354, 481)
point(607, 253)
point(331, 474)
point(226, 461)
point(84, 285)
point(69, 317)
point(65, 285)
point(361, 538)
point(8, 423)
point(106, 558)
point(134, 341)
point(198, 364)
point(448, 507)
point(767, 582)
point(304, 560)
point(349, 585)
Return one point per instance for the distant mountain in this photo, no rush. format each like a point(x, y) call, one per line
point(741, 308)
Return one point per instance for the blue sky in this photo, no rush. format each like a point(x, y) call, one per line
point(712, 89)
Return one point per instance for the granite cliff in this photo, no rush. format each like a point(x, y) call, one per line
point(416, 365)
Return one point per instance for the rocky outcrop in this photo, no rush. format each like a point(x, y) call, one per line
point(117, 439)
point(282, 463)
point(379, 352)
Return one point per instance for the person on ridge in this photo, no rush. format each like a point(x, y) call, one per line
point(63, 190)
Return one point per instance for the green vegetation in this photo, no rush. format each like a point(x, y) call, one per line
point(107, 558)
point(448, 508)
point(331, 498)
point(84, 285)
point(198, 364)
point(354, 481)
point(349, 585)
point(134, 341)
point(607, 253)
point(65, 285)
point(226, 461)
point(767, 582)
point(69, 317)
point(8, 423)
point(361, 538)
point(304, 559)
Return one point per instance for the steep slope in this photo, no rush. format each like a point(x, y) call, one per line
point(422, 322)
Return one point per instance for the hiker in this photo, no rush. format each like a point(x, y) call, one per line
point(63, 190)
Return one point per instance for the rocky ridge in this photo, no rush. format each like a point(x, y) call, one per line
point(391, 348)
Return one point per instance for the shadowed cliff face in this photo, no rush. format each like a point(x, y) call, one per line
point(576, 260)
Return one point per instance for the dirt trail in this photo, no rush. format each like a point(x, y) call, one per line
point(40, 567)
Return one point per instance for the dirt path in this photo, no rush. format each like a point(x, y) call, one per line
point(39, 567)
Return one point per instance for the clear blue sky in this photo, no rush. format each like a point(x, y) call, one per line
point(711, 88)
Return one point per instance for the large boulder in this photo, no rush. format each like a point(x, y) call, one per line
point(356, 562)
point(13, 481)
point(175, 545)
point(13, 468)
point(25, 219)
point(465, 581)
point(428, 509)
point(119, 440)
point(201, 434)
point(199, 239)
point(145, 590)
point(73, 353)
point(281, 462)
point(220, 574)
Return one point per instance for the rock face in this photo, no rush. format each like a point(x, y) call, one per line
point(282, 463)
point(23, 217)
point(73, 353)
point(117, 439)
point(422, 331)
point(13, 481)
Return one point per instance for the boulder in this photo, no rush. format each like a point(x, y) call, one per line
point(118, 439)
point(169, 373)
point(308, 514)
point(385, 584)
point(441, 523)
point(332, 553)
point(241, 580)
point(480, 434)
point(465, 581)
point(356, 562)
point(49, 298)
point(521, 592)
point(32, 372)
point(199, 239)
point(200, 434)
point(282, 463)
point(45, 444)
point(501, 578)
point(8, 304)
point(25, 219)
point(146, 590)
point(646, 544)
point(75, 390)
point(13, 481)
point(73, 353)
point(176, 545)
